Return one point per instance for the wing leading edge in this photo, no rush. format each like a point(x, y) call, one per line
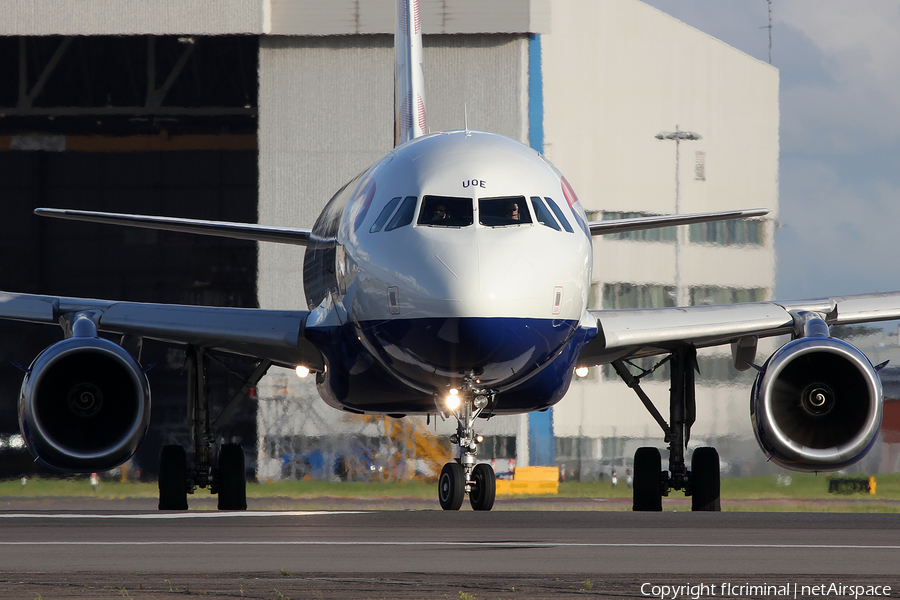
point(277, 335)
point(647, 331)
point(241, 231)
point(639, 223)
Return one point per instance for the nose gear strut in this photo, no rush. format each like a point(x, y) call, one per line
point(463, 476)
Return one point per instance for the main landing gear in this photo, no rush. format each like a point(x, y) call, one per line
point(462, 476)
point(651, 483)
point(224, 475)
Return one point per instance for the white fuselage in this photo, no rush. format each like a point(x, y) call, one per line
point(458, 253)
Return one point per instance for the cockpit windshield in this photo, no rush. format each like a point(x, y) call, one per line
point(499, 212)
point(445, 211)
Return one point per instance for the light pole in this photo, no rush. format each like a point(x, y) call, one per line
point(678, 135)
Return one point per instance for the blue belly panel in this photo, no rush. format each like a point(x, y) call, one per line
point(395, 366)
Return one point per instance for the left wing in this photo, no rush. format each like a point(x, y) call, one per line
point(648, 331)
point(276, 335)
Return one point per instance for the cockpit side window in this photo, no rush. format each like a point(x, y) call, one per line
point(559, 215)
point(542, 214)
point(499, 212)
point(445, 211)
point(404, 214)
point(385, 215)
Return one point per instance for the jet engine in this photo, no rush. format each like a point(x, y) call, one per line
point(816, 405)
point(84, 405)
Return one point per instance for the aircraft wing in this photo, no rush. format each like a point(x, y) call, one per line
point(640, 223)
point(648, 331)
point(240, 231)
point(277, 335)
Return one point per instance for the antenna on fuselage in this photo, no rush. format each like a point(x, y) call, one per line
point(466, 117)
point(409, 74)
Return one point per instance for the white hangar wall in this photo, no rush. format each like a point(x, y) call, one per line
point(617, 73)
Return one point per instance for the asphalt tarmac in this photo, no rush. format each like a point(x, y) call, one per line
point(54, 551)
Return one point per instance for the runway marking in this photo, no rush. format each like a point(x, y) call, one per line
point(522, 544)
point(182, 515)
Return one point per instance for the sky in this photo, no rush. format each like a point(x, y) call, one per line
point(839, 179)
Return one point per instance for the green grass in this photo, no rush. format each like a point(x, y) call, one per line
point(767, 493)
point(76, 487)
point(348, 489)
point(804, 486)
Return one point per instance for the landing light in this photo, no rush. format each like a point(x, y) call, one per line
point(302, 371)
point(581, 371)
point(452, 401)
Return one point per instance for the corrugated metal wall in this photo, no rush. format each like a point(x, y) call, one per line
point(130, 17)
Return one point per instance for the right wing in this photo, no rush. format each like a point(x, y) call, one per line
point(276, 335)
point(239, 231)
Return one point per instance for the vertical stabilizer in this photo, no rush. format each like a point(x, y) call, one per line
point(409, 74)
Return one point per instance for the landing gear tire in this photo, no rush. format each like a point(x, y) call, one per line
point(172, 478)
point(484, 488)
point(705, 480)
point(232, 484)
point(452, 486)
point(647, 488)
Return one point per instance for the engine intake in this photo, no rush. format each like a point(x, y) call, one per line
point(84, 405)
point(816, 405)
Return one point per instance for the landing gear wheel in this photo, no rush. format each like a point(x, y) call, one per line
point(705, 480)
point(482, 494)
point(647, 488)
point(232, 483)
point(172, 478)
point(452, 486)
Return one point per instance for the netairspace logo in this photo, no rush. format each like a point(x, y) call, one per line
point(783, 590)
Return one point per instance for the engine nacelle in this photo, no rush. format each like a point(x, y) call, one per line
point(816, 405)
point(84, 405)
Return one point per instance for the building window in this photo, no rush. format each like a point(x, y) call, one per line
point(659, 234)
point(700, 166)
point(706, 295)
point(641, 365)
point(497, 447)
point(714, 371)
point(728, 233)
point(632, 295)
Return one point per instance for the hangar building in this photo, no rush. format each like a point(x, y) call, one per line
point(261, 109)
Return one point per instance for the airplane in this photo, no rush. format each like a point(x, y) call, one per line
point(451, 277)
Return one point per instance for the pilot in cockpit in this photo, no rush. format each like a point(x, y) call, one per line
point(512, 211)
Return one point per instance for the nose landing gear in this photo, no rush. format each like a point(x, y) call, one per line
point(463, 476)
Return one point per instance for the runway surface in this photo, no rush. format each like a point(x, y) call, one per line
point(311, 548)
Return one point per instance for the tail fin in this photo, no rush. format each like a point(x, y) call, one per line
point(409, 74)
